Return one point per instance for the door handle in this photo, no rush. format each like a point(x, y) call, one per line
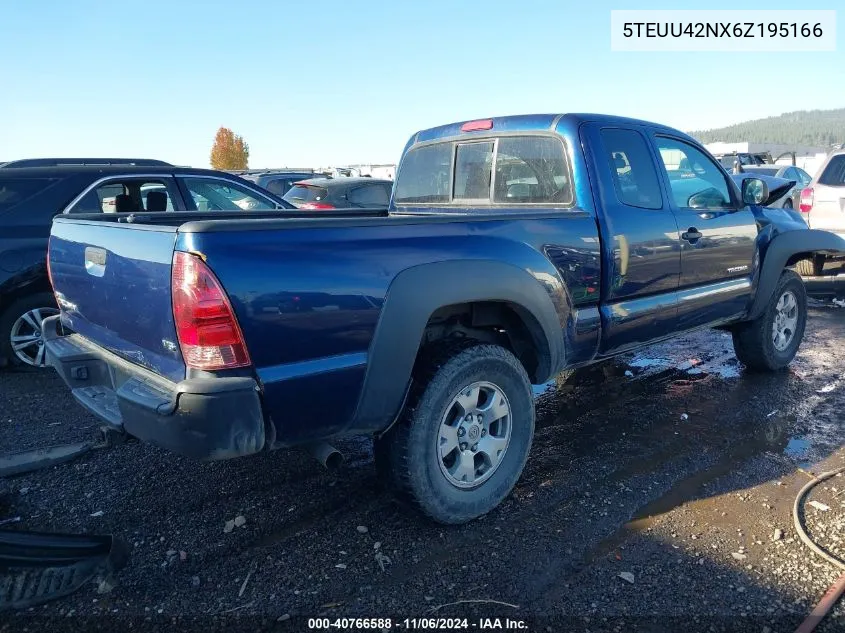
point(692, 235)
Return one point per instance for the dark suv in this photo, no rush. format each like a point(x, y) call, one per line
point(33, 191)
point(340, 193)
point(277, 181)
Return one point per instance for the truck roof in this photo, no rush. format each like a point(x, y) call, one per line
point(533, 122)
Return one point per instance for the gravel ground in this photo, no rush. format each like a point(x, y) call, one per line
point(671, 465)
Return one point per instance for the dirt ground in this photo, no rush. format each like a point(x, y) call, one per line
point(657, 497)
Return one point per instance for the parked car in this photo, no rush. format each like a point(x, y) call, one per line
point(779, 188)
point(340, 193)
point(277, 181)
point(798, 176)
point(513, 249)
point(728, 161)
point(822, 203)
point(33, 191)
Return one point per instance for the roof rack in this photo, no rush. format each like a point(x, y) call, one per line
point(270, 170)
point(84, 162)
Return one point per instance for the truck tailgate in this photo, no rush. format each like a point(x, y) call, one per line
point(112, 282)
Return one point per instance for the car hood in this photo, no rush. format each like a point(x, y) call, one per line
point(778, 187)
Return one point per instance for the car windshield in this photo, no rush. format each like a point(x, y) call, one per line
point(306, 193)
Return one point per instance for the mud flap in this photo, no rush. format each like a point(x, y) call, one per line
point(36, 567)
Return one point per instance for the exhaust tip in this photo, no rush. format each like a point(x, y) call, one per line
point(327, 455)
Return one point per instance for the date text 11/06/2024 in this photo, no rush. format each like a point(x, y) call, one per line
point(417, 624)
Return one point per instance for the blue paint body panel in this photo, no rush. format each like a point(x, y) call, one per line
point(311, 295)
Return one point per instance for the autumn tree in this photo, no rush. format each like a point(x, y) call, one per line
point(229, 151)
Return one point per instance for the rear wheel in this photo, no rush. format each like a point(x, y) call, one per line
point(770, 342)
point(21, 340)
point(465, 434)
point(787, 204)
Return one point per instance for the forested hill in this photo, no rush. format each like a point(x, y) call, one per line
point(820, 128)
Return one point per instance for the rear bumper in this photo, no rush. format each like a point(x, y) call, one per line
point(206, 418)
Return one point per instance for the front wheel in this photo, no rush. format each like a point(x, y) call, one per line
point(465, 434)
point(770, 342)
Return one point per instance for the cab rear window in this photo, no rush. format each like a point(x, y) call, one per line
point(508, 171)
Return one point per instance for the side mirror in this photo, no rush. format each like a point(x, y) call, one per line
point(754, 191)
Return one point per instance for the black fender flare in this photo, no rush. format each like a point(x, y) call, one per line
point(781, 248)
point(416, 293)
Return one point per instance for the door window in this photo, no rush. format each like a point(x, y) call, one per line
point(126, 195)
point(209, 194)
point(695, 180)
point(632, 169)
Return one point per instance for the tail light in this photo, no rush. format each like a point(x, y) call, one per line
point(806, 203)
point(316, 205)
point(208, 332)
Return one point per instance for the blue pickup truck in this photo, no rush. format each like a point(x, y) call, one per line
point(513, 248)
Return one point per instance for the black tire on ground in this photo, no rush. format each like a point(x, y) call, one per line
point(11, 314)
point(754, 341)
point(408, 458)
point(810, 267)
point(787, 204)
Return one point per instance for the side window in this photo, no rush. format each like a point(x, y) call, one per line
point(632, 169)
point(531, 169)
point(129, 195)
point(370, 196)
point(834, 174)
point(209, 194)
point(280, 186)
point(695, 180)
point(424, 175)
point(473, 163)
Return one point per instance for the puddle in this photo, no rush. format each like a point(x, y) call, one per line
point(541, 390)
point(798, 449)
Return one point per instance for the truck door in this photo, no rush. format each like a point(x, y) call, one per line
point(640, 238)
point(718, 234)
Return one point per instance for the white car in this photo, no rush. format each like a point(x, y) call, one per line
point(822, 205)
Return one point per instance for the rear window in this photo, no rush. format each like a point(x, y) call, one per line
point(766, 172)
point(306, 193)
point(510, 170)
point(832, 176)
point(13, 191)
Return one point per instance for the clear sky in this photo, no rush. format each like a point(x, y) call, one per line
point(334, 82)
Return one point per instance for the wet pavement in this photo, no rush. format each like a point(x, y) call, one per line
point(661, 464)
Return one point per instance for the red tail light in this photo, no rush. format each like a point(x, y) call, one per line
point(316, 205)
point(474, 126)
point(208, 332)
point(806, 203)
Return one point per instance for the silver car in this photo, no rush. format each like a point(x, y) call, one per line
point(788, 172)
